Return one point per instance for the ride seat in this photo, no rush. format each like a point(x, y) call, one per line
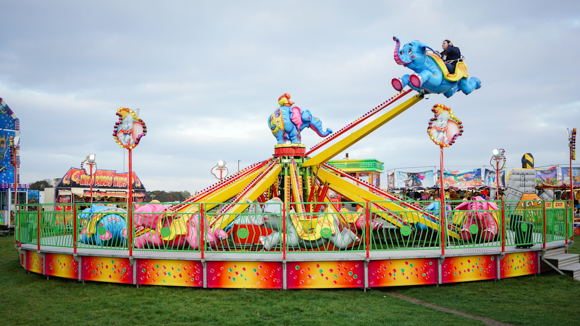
point(460, 69)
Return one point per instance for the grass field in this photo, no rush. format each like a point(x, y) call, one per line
point(549, 299)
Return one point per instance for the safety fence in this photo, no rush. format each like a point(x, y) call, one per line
point(275, 227)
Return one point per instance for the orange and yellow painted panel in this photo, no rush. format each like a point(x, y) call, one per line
point(325, 274)
point(468, 268)
point(519, 264)
point(61, 265)
point(33, 262)
point(402, 272)
point(107, 269)
point(245, 274)
point(169, 272)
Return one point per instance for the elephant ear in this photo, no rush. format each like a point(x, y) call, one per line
point(296, 117)
point(428, 47)
point(462, 207)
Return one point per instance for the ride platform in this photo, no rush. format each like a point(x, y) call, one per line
point(291, 150)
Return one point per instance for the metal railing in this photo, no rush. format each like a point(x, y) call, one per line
point(329, 227)
point(275, 228)
point(243, 227)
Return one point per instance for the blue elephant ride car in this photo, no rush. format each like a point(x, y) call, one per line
point(431, 74)
point(103, 226)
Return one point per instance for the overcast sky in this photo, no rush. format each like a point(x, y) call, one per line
point(207, 74)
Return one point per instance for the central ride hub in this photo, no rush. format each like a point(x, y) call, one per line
point(289, 150)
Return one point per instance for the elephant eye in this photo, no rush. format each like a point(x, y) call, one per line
point(409, 51)
point(401, 52)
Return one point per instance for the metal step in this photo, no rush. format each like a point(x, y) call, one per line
point(563, 260)
point(572, 267)
point(555, 252)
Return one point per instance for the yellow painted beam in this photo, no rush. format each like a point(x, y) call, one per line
point(223, 194)
point(356, 193)
point(255, 192)
point(350, 195)
point(296, 189)
point(351, 139)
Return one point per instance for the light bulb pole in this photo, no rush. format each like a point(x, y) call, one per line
point(220, 171)
point(499, 156)
point(442, 198)
point(128, 131)
point(572, 145)
point(91, 161)
point(443, 130)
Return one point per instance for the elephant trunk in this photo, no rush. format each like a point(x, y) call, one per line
point(397, 58)
point(316, 125)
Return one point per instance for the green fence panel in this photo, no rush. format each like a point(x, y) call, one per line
point(404, 229)
point(156, 229)
point(105, 228)
point(243, 227)
point(474, 224)
point(524, 223)
point(333, 227)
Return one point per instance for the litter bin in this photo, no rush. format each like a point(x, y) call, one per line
point(523, 232)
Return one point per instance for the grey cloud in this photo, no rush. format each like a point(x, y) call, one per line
point(207, 75)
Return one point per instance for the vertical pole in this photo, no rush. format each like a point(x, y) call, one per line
point(92, 178)
point(544, 218)
point(571, 196)
point(443, 225)
point(16, 185)
point(502, 226)
point(368, 226)
point(284, 229)
point(64, 207)
point(497, 196)
point(19, 228)
point(38, 227)
point(497, 179)
point(202, 235)
point(130, 206)
point(75, 231)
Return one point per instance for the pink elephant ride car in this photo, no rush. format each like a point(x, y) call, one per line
point(479, 219)
point(156, 227)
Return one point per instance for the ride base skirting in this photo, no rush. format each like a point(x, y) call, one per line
point(300, 270)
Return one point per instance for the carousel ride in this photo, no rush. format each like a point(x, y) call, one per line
point(284, 201)
point(292, 188)
point(275, 224)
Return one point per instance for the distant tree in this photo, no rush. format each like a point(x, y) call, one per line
point(167, 197)
point(183, 195)
point(40, 185)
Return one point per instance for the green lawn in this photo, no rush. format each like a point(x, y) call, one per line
point(31, 299)
point(548, 299)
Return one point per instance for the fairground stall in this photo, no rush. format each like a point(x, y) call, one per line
point(107, 186)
